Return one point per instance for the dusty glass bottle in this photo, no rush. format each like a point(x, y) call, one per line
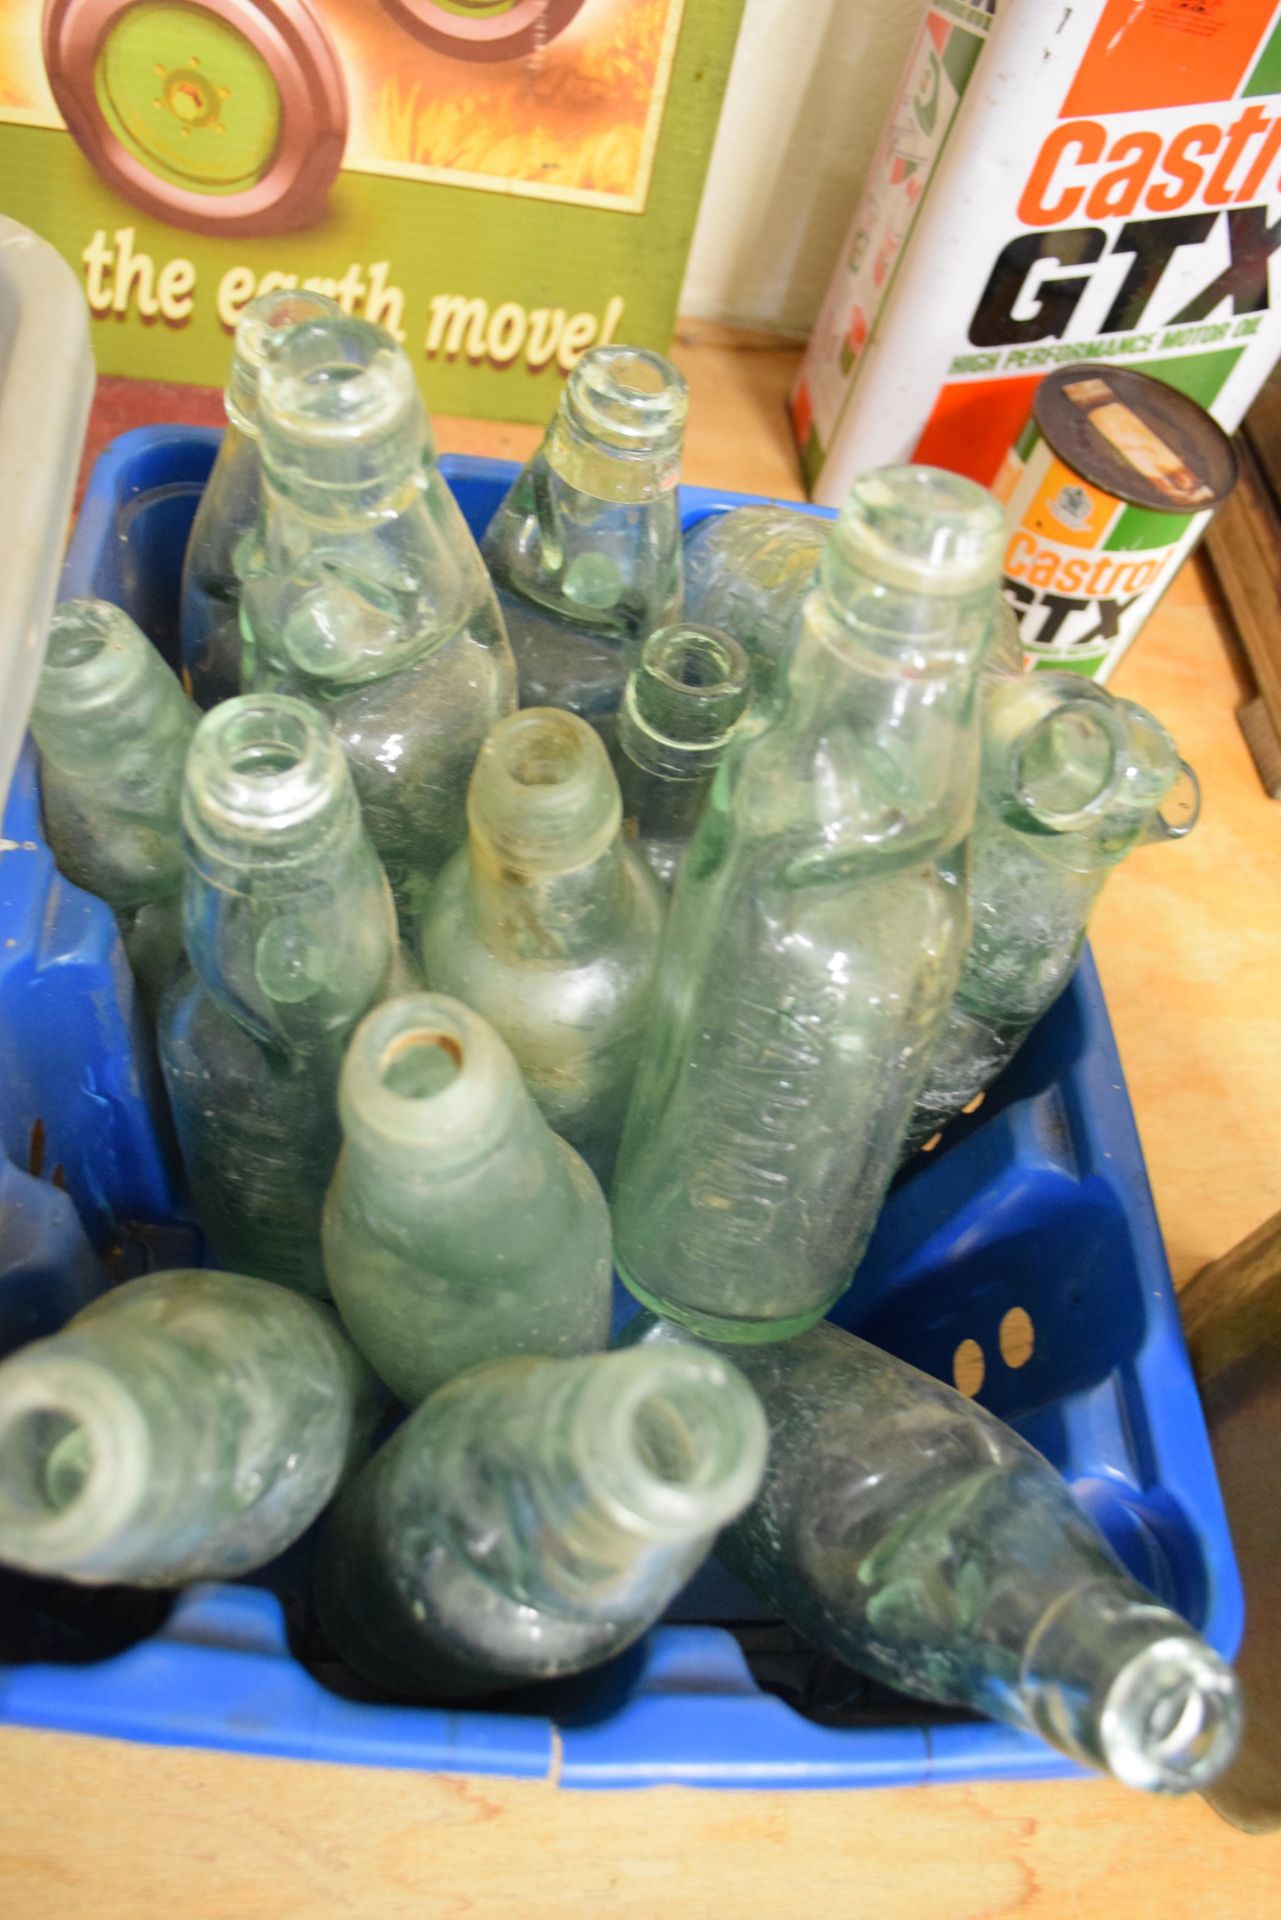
point(364, 592)
point(291, 937)
point(1073, 780)
point(682, 701)
point(112, 725)
point(549, 925)
point(535, 1516)
point(816, 930)
point(586, 548)
point(458, 1228)
point(749, 571)
point(227, 516)
point(186, 1426)
point(905, 1530)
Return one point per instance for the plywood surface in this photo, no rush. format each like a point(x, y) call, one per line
point(1188, 945)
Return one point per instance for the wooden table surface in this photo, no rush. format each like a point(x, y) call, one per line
point(1187, 944)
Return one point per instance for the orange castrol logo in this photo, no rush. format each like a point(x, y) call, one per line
point(1088, 576)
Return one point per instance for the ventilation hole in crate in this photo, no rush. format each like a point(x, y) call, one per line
point(35, 1149)
point(968, 1368)
point(974, 1105)
point(928, 1146)
point(1017, 1337)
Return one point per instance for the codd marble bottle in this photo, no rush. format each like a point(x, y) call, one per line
point(586, 548)
point(458, 1227)
point(112, 725)
point(682, 702)
point(290, 933)
point(904, 1530)
point(816, 931)
point(549, 924)
point(227, 516)
point(749, 571)
point(533, 1518)
point(365, 595)
point(187, 1426)
point(1073, 780)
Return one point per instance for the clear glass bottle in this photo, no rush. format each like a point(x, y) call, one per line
point(816, 931)
point(549, 925)
point(113, 725)
point(291, 937)
point(586, 548)
point(365, 593)
point(749, 571)
point(458, 1228)
point(534, 1517)
point(1073, 780)
point(227, 516)
point(903, 1529)
point(683, 700)
point(186, 1426)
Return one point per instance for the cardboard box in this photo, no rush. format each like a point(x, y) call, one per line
point(1085, 185)
point(502, 183)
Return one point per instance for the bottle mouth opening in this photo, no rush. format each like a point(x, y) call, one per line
point(683, 1445)
point(71, 1452)
point(693, 659)
point(1172, 1719)
point(93, 652)
point(426, 1073)
point(332, 386)
point(46, 1460)
point(420, 1064)
point(628, 399)
point(261, 761)
point(921, 529)
point(543, 794)
point(1070, 765)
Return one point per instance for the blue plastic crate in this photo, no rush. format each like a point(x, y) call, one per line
point(1039, 1200)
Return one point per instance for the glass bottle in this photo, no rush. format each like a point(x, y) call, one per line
point(816, 931)
point(904, 1530)
point(186, 1426)
point(365, 594)
point(112, 725)
point(1073, 780)
point(534, 1516)
point(227, 516)
point(458, 1228)
point(586, 548)
point(549, 925)
point(749, 571)
point(683, 699)
point(291, 938)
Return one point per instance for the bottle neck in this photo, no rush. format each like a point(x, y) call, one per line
point(259, 331)
point(1120, 1682)
point(626, 1465)
point(618, 430)
point(105, 700)
point(288, 917)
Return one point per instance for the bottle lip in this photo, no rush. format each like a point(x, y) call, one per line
point(629, 400)
point(1172, 1718)
point(38, 1385)
point(673, 1440)
point(338, 408)
point(425, 1073)
point(919, 529)
point(261, 765)
point(261, 325)
point(543, 797)
point(95, 655)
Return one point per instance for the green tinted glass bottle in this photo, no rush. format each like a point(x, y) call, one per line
point(227, 517)
point(1073, 779)
point(113, 725)
point(586, 548)
point(549, 925)
point(904, 1530)
point(291, 937)
point(458, 1228)
point(534, 1517)
point(683, 700)
point(749, 571)
point(816, 930)
point(187, 1426)
point(365, 594)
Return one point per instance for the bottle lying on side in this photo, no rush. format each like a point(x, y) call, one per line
point(458, 1228)
point(186, 1426)
point(904, 1530)
point(113, 726)
point(534, 1517)
point(1073, 780)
